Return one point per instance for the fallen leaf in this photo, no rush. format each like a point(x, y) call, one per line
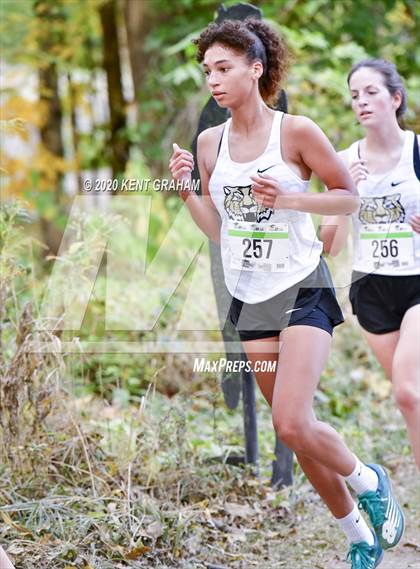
point(8, 520)
point(137, 552)
point(412, 544)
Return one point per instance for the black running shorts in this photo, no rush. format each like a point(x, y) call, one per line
point(310, 302)
point(380, 301)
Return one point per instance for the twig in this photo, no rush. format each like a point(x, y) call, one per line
point(129, 497)
point(92, 478)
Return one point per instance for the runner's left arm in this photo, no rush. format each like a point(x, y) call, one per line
point(318, 154)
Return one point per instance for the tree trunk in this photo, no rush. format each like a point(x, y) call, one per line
point(72, 95)
point(51, 129)
point(119, 147)
point(135, 15)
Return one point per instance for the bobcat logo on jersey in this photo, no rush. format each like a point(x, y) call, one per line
point(240, 205)
point(386, 209)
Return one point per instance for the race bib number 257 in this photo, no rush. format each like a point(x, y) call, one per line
point(257, 247)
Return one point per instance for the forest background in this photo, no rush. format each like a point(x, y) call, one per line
point(108, 458)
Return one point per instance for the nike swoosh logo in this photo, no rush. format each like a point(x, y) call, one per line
point(393, 184)
point(265, 169)
point(358, 520)
point(292, 310)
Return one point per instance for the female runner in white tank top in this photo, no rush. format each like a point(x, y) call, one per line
point(385, 294)
point(255, 204)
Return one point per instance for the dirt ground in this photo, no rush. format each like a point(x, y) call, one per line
point(316, 535)
point(407, 556)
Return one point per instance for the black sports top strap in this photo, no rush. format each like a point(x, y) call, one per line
point(416, 157)
point(220, 141)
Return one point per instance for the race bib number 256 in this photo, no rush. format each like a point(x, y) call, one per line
point(387, 246)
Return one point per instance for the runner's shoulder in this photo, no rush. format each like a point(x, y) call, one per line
point(299, 124)
point(301, 132)
point(207, 145)
point(207, 138)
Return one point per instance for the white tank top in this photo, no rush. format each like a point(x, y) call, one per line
point(264, 251)
point(383, 241)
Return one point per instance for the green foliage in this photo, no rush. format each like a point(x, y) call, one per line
point(73, 33)
point(15, 267)
point(173, 89)
point(323, 56)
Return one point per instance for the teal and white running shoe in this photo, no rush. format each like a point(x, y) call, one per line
point(364, 556)
point(383, 510)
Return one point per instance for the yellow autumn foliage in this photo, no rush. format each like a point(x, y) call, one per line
point(19, 117)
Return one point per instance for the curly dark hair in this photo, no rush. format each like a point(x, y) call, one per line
point(267, 46)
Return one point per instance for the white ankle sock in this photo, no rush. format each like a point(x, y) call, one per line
point(355, 527)
point(363, 478)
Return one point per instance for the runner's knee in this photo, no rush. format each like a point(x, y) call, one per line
point(407, 396)
point(293, 431)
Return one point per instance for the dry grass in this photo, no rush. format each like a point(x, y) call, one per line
point(93, 485)
point(110, 488)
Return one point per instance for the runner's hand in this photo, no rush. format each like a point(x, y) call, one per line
point(265, 189)
point(181, 164)
point(414, 221)
point(358, 171)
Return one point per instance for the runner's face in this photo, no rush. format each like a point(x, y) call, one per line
point(229, 75)
point(372, 103)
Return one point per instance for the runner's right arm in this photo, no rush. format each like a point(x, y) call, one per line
point(333, 233)
point(202, 208)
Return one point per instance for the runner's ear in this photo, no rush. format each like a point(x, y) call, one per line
point(258, 69)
